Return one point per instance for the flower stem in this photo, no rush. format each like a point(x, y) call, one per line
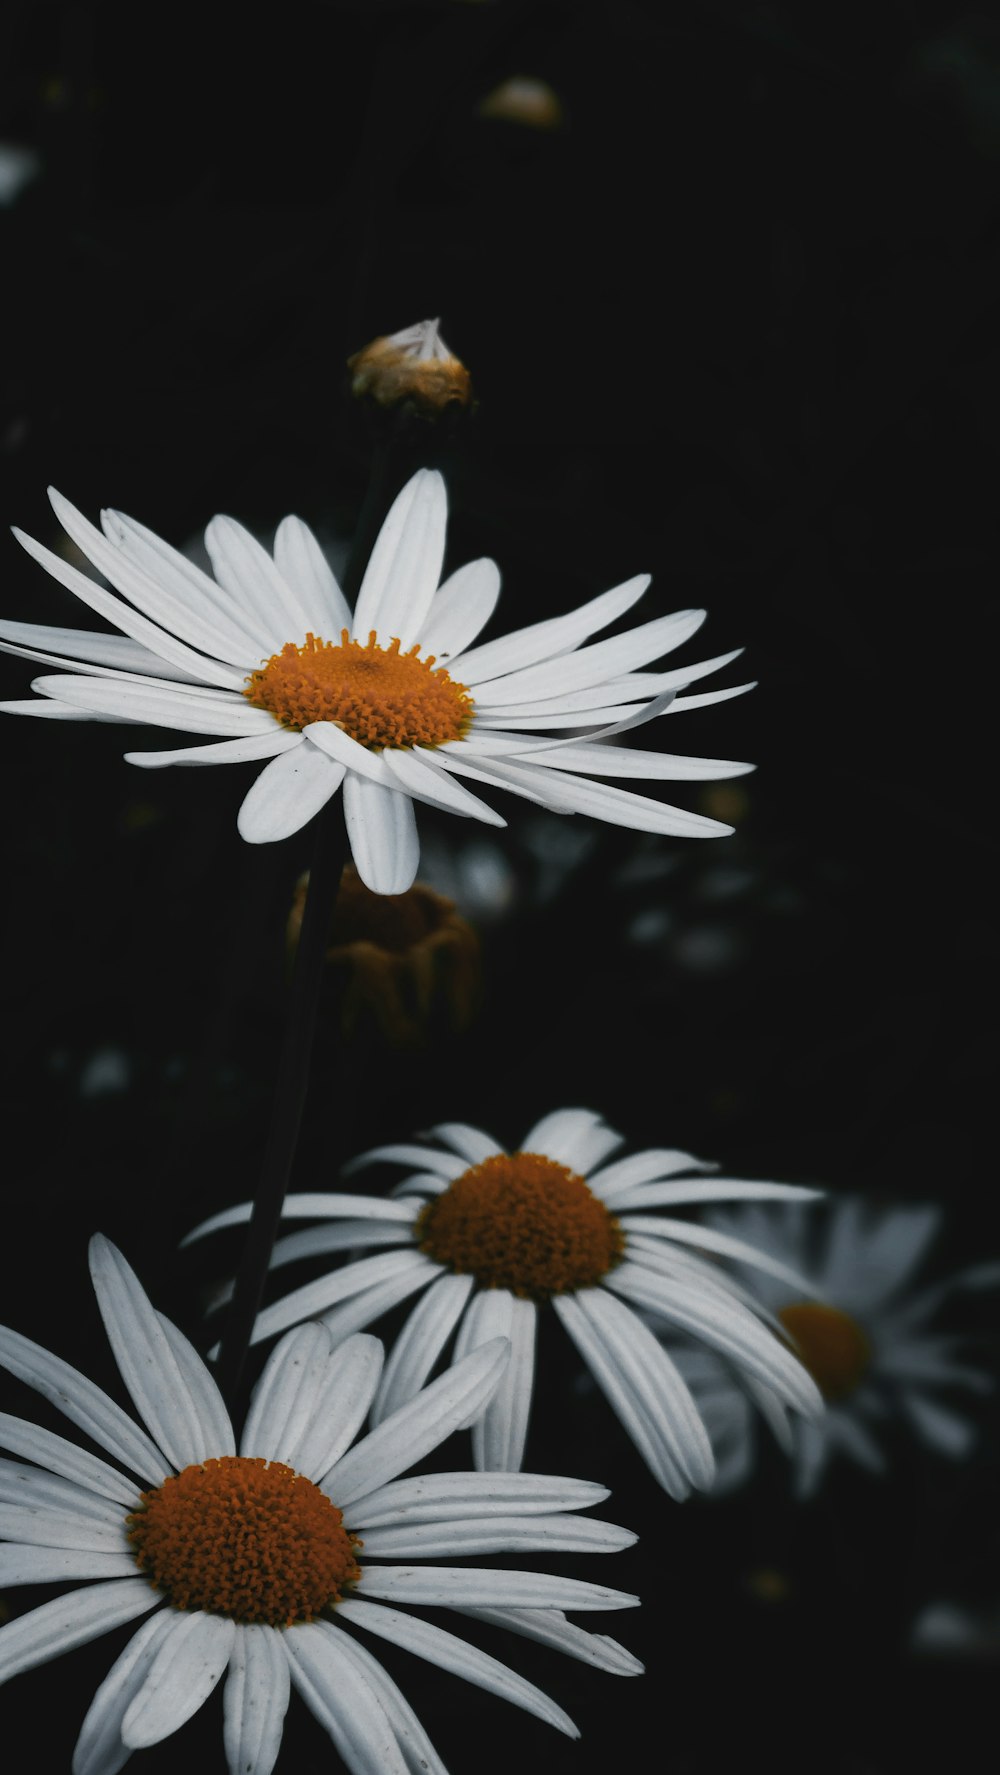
point(289, 1095)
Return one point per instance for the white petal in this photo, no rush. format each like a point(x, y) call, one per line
point(84, 1404)
point(156, 1380)
point(37, 1489)
point(38, 1525)
point(352, 1376)
point(339, 745)
point(31, 1564)
point(499, 1436)
point(169, 568)
point(255, 1699)
point(287, 794)
point(445, 1586)
point(326, 1291)
point(451, 1653)
point(421, 1757)
point(943, 1429)
point(405, 565)
point(551, 1628)
point(420, 1343)
point(334, 1689)
point(285, 1396)
point(564, 1134)
point(47, 708)
point(642, 1421)
point(464, 760)
point(590, 666)
point(707, 697)
point(543, 640)
point(302, 1206)
point(439, 1497)
point(462, 606)
point(450, 1403)
point(365, 1309)
point(71, 1620)
point(644, 1167)
point(303, 565)
point(59, 1456)
point(620, 807)
point(622, 761)
point(99, 1748)
point(422, 779)
point(708, 1239)
point(155, 703)
point(216, 1425)
point(252, 579)
point(343, 1235)
point(382, 829)
point(238, 751)
point(115, 610)
point(471, 1144)
point(187, 1665)
point(105, 656)
point(400, 1153)
point(717, 1189)
point(460, 1536)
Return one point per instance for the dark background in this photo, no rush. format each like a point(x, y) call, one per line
point(731, 319)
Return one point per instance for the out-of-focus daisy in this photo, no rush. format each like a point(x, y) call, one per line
point(871, 1342)
point(393, 703)
point(255, 1562)
point(490, 1239)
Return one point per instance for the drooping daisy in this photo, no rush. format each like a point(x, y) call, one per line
point(256, 1562)
point(490, 1239)
point(394, 702)
point(870, 1342)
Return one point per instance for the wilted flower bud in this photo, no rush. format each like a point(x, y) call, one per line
point(413, 365)
point(403, 961)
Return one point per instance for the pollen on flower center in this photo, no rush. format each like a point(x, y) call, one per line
point(830, 1344)
point(522, 1222)
point(378, 695)
point(243, 1537)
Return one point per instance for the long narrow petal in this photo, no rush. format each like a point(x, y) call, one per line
point(326, 1291)
point(543, 640)
point(343, 1700)
point(84, 1404)
point(187, 1665)
point(420, 1754)
point(238, 751)
point(353, 1373)
point(470, 1143)
point(71, 1620)
point(255, 1700)
point(716, 1189)
point(364, 1309)
point(285, 1396)
point(287, 794)
point(420, 1343)
point(59, 1456)
point(450, 1652)
point(449, 1165)
point(551, 1628)
point(462, 605)
point(424, 780)
point(635, 1404)
point(99, 1748)
point(440, 1497)
point(707, 697)
point(459, 1537)
point(590, 666)
point(338, 744)
point(105, 656)
point(446, 1586)
point(450, 1403)
point(41, 1491)
point(405, 565)
point(215, 1422)
point(251, 637)
point(306, 1204)
point(708, 1239)
point(31, 1564)
point(155, 703)
point(156, 1380)
point(620, 807)
point(645, 1167)
point(248, 573)
point(567, 1136)
point(622, 761)
point(37, 1525)
point(47, 708)
point(382, 829)
point(303, 565)
point(499, 1436)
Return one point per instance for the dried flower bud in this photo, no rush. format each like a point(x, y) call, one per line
point(414, 365)
point(405, 962)
point(524, 100)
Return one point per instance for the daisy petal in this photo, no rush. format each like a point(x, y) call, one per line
point(543, 640)
point(32, 1564)
point(450, 1403)
point(462, 605)
point(216, 1425)
point(287, 794)
point(342, 1699)
point(708, 1239)
point(499, 1436)
point(568, 793)
point(303, 1205)
point(99, 1748)
point(622, 761)
point(84, 1404)
point(944, 1430)
point(471, 1144)
point(706, 697)
point(189, 584)
point(238, 751)
point(445, 1586)
point(645, 1167)
point(353, 1374)
point(353, 1315)
point(155, 1379)
point(564, 1134)
point(185, 1669)
point(639, 1412)
point(339, 745)
point(326, 1291)
point(717, 1189)
point(108, 656)
point(302, 564)
point(399, 1153)
point(249, 575)
point(421, 1757)
point(405, 565)
point(71, 1620)
point(36, 1524)
point(591, 666)
point(423, 780)
point(59, 1456)
point(451, 1653)
point(154, 702)
point(284, 1399)
point(459, 1537)
point(551, 1628)
point(382, 830)
point(41, 1491)
point(47, 708)
point(438, 1497)
point(255, 1699)
point(420, 1343)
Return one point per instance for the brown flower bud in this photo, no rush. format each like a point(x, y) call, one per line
point(413, 365)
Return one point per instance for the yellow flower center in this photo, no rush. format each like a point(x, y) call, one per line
point(247, 1538)
point(522, 1222)
point(378, 695)
point(830, 1344)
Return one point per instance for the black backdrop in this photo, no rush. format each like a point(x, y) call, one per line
point(731, 319)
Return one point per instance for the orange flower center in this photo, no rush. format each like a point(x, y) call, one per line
point(379, 696)
point(522, 1222)
point(247, 1538)
point(830, 1344)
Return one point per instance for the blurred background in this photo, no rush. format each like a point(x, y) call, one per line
point(726, 280)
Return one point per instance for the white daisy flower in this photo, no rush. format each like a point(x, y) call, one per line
point(256, 1562)
point(489, 1239)
point(393, 703)
point(869, 1341)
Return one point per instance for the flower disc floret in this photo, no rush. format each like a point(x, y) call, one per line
point(830, 1344)
point(247, 1538)
point(378, 695)
point(523, 1222)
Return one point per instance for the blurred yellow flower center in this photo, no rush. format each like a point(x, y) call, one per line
point(251, 1539)
point(378, 695)
point(522, 1222)
point(830, 1344)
